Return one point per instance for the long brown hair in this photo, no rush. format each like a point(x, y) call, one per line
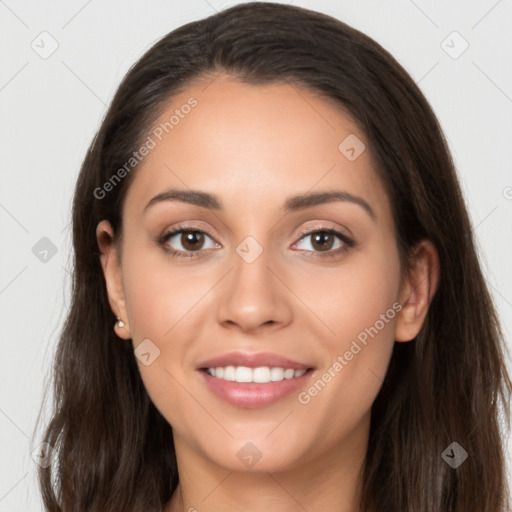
point(113, 450)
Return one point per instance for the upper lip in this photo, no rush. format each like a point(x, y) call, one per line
point(253, 360)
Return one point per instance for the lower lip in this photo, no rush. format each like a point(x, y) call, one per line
point(252, 394)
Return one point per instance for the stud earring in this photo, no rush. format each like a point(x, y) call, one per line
point(120, 323)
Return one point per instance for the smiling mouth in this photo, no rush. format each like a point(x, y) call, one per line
point(259, 375)
point(247, 387)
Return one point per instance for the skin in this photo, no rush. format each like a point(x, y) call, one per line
point(253, 147)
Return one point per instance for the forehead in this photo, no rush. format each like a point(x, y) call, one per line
point(254, 145)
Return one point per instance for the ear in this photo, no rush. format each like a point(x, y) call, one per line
point(111, 264)
point(417, 290)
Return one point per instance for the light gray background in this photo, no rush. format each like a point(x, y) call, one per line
point(51, 107)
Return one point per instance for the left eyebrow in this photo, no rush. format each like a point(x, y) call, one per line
point(296, 203)
point(308, 200)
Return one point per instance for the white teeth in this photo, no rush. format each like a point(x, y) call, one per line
point(243, 374)
point(262, 374)
point(289, 373)
point(229, 373)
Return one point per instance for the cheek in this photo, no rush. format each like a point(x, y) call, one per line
point(360, 309)
point(159, 302)
point(157, 294)
point(357, 297)
point(164, 304)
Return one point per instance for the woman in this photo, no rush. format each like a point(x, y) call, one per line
point(277, 302)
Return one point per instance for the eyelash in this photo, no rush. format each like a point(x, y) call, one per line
point(348, 242)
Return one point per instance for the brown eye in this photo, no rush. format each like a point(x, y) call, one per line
point(192, 240)
point(322, 240)
point(188, 243)
point(329, 241)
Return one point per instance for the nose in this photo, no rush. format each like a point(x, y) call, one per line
point(253, 297)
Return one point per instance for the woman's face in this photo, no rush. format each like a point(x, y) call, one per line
point(258, 271)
